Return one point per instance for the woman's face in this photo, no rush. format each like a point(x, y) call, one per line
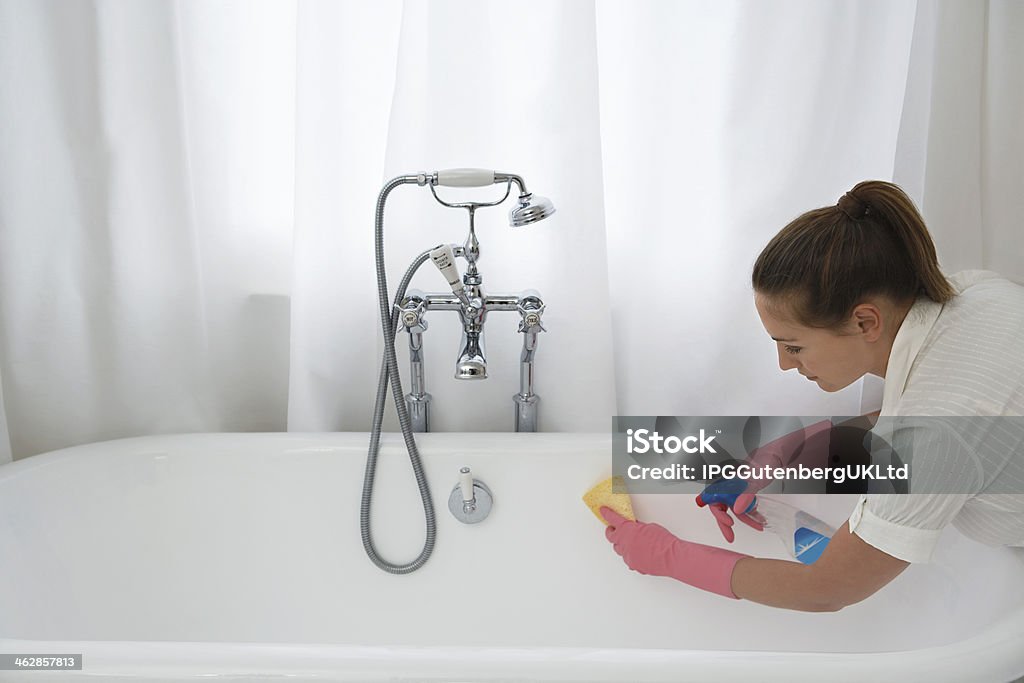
point(834, 359)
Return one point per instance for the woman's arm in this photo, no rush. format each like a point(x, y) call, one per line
point(848, 571)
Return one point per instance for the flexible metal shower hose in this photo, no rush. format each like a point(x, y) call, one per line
point(389, 370)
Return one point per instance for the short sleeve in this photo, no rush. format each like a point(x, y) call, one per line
point(906, 526)
point(944, 475)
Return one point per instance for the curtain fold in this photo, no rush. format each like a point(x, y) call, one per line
point(187, 193)
point(960, 145)
point(100, 300)
point(733, 119)
point(345, 81)
point(145, 219)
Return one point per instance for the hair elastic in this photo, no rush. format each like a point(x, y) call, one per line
point(852, 207)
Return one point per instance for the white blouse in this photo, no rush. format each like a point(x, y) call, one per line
point(962, 358)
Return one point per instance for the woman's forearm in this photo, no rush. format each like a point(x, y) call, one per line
point(778, 583)
point(847, 572)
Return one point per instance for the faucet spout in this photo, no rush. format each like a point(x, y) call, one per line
point(472, 363)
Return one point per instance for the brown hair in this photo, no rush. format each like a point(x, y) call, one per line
point(872, 242)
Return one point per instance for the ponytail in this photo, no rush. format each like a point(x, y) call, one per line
point(872, 242)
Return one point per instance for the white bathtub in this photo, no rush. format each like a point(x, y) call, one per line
point(237, 557)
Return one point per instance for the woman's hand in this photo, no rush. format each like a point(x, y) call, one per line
point(652, 549)
point(645, 548)
point(808, 446)
point(736, 495)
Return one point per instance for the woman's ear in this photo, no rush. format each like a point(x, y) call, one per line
point(868, 319)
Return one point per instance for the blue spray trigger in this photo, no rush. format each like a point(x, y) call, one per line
point(726, 491)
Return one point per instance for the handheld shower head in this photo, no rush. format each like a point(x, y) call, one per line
point(530, 209)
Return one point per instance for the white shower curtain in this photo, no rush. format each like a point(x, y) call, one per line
point(187, 193)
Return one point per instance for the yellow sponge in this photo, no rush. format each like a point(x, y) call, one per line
point(602, 495)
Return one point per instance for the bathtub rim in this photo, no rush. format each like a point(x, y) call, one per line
point(388, 439)
point(998, 645)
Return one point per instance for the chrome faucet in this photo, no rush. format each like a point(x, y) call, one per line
point(471, 500)
point(530, 307)
point(472, 304)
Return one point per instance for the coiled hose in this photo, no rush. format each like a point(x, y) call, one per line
point(389, 370)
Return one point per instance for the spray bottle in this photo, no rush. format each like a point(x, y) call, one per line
point(803, 535)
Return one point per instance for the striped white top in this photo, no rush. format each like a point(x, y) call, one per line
point(963, 358)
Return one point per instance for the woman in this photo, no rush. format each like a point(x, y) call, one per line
point(852, 289)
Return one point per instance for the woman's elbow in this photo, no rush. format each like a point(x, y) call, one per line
point(833, 602)
point(824, 607)
point(833, 606)
point(825, 604)
point(832, 596)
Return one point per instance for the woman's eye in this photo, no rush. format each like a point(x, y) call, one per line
point(793, 349)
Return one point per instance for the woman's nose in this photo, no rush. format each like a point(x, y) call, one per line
point(786, 361)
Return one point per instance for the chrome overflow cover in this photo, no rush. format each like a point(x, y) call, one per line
point(470, 501)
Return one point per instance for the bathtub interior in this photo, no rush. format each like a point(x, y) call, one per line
point(255, 538)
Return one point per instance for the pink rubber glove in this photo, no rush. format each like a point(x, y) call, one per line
point(808, 446)
point(753, 519)
point(651, 549)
